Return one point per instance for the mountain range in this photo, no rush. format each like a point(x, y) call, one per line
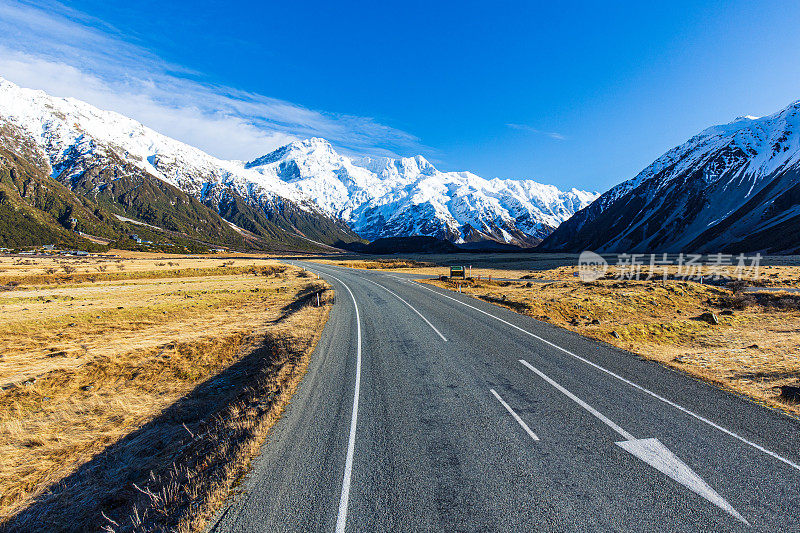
point(130, 178)
point(77, 176)
point(70, 172)
point(385, 197)
point(732, 188)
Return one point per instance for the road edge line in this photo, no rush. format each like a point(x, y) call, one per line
point(341, 520)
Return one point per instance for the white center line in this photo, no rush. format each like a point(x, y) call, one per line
point(515, 415)
point(341, 522)
point(597, 414)
point(411, 307)
point(628, 382)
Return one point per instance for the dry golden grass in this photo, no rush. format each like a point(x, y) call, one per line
point(68, 269)
point(779, 276)
point(399, 265)
point(90, 370)
point(752, 351)
point(767, 275)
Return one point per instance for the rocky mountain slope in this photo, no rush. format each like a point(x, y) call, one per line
point(131, 171)
point(732, 188)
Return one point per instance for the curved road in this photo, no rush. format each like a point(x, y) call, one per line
point(426, 410)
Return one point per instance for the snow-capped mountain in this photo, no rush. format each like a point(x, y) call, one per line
point(70, 130)
point(733, 187)
point(385, 197)
point(81, 144)
point(305, 188)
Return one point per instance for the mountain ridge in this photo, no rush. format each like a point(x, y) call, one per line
point(138, 173)
point(733, 187)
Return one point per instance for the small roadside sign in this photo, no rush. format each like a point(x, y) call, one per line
point(458, 272)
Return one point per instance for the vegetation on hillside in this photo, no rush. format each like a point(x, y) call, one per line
point(81, 206)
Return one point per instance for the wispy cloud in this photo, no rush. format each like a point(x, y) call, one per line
point(530, 129)
point(67, 53)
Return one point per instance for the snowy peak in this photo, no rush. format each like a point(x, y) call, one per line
point(756, 146)
point(314, 148)
point(69, 130)
point(91, 150)
point(388, 168)
point(391, 197)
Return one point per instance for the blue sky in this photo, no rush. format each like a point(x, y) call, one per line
point(584, 94)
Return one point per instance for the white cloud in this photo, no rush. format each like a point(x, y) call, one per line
point(66, 53)
point(524, 127)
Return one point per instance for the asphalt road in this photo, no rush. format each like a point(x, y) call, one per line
point(427, 410)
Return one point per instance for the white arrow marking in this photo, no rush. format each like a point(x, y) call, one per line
point(652, 452)
point(622, 379)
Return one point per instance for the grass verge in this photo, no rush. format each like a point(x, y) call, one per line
point(142, 418)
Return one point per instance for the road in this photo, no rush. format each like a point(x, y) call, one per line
point(427, 410)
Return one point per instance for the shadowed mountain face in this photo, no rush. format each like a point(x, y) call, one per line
point(732, 188)
point(35, 209)
point(115, 167)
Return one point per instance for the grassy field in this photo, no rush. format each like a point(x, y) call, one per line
point(745, 342)
point(174, 367)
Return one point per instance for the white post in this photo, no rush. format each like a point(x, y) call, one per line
point(317, 299)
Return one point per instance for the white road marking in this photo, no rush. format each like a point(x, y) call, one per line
point(597, 414)
point(341, 522)
point(652, 452)
point(410, 307)
point(628, 382)
point(515, 415)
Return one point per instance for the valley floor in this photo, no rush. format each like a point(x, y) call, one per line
point(140, 387)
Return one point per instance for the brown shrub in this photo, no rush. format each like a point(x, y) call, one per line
point(738, 301)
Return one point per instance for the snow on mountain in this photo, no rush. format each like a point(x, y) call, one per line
point(719, 190)
point(378, 197)
point(385, 197)
point(68, 130)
